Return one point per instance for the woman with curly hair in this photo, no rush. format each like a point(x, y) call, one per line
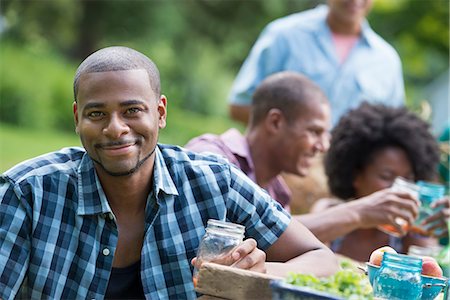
point(370, 147)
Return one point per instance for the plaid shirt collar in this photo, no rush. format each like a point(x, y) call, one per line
point(92, 199)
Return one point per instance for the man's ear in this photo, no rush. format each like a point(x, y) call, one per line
point(162, 110)
point(274, 120)
point(75, 115)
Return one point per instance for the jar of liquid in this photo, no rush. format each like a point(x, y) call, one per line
point(401, 185)
point(399, 278)
point(428, 193)
point(218, 242)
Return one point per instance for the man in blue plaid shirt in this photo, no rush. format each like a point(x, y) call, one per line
point(123, 216)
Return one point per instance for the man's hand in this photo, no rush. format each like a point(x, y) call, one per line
point(385, 206)
point(245, 256)
point(248, 257)
point(437, 224)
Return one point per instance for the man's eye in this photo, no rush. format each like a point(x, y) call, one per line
point(133, 110)
point(95, 114)
point(316, 132)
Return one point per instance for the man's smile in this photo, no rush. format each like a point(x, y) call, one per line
point(116, 148)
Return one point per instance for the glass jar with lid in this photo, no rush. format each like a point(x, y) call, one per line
point(218, 242)
point(399, 278)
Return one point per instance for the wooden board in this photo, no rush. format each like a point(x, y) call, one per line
point(231, 283)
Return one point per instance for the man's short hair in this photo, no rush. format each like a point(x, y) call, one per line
point(118, 59)
point(287, 91)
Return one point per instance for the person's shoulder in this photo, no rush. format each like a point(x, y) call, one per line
point(200, 142)
point(379, 44)
point(304, 21)
point(184, 165)
point(176, 155)
point(64, 161)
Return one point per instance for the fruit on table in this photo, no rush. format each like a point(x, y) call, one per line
point(377, 255)
point(430, 267)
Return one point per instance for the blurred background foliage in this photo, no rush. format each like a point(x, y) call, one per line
point(198, 46)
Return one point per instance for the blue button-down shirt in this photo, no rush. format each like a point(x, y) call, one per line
point(303, 43)
point(58, 234)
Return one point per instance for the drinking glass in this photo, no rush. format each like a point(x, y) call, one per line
point(428, 193)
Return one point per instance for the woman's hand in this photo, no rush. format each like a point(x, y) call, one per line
point(437, 224)
point(385, 207)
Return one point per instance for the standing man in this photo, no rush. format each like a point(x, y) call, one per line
point(332, 45)
point(123, 216)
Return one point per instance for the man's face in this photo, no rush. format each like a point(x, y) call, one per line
point(118, 116)
point(349, 11)
point(300, 141)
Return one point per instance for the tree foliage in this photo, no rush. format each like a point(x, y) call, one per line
point(198, 45)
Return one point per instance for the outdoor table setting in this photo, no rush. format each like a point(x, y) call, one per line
point(355, 280)
point(420, 274)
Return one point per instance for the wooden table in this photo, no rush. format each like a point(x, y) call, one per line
point(223, 282)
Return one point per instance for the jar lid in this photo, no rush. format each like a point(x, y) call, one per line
point(405, 261)
point(430, 191)
point(226, 227)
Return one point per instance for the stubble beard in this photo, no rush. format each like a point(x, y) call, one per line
point(138, 165)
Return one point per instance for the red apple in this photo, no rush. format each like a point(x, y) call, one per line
point(377, 255)
point(430, 267)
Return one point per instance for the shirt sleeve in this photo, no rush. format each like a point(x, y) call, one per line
point(203, 145)
point(14, 240)
point(250, 205)
point(266, 57)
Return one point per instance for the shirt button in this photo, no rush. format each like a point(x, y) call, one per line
point(106, 252)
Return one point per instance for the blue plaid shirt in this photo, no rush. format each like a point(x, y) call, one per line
point(58, 234)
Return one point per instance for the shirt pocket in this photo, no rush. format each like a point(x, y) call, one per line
point(179, 249)
point(375, 85)
point(317, 69)
point(176, 262)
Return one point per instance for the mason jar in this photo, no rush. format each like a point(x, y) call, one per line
point(220, 239)
point(428, 193)
point(399, 278)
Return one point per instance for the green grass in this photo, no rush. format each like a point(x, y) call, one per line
point(18, 144)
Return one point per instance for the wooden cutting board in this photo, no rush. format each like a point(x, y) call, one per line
point(223, 282)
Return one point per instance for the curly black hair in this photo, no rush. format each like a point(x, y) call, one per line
point(369, 128)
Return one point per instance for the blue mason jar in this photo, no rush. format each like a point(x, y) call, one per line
point(399, 278)
point(428, 193)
